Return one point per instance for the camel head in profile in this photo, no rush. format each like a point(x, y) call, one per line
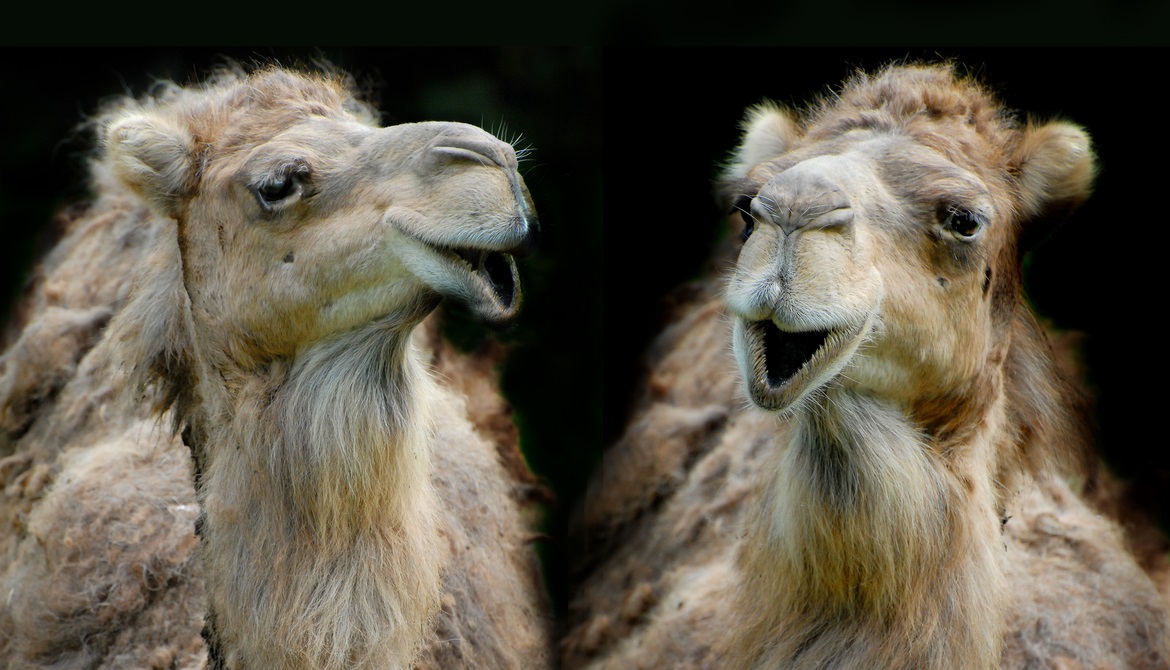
point(275, 316)
point(299, 220)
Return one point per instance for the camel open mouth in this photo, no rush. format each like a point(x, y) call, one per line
point(486, 281)
point(483, 278)
point(496, 270)
point(786, 353)
point(783, 366)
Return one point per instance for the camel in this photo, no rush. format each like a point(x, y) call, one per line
point(859, 447)
point(232, 435)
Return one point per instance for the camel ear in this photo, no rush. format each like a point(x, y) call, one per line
point(1056, 166)
point(153, 157)
point(768, 131)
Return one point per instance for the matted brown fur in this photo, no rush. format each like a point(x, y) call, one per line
point(712, 541)
point(99, 557)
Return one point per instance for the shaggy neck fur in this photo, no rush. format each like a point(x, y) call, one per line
point(871, 549)
point(320, 537)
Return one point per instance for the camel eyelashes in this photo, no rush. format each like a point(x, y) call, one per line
point(743, 205)
point(963, 223)
point(276, 190)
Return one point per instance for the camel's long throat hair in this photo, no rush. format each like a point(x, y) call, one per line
point(321, 512)
point(301, 246)
point(335, 453)
point(879, 313)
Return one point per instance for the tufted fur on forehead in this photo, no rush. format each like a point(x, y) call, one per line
point(926, 101)
point(1045, 168)
point(234, 103)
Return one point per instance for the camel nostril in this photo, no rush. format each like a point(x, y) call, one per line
point(470, 148)
point(816, 217)
point(807, 196)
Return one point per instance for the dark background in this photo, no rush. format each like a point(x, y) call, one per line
point(667, 116)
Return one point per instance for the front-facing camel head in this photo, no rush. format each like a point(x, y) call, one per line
point(299, 219)
point(882, 244)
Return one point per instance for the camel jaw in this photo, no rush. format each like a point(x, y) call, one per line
point(780, 367)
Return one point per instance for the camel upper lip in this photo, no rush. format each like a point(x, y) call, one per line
point(784, 365)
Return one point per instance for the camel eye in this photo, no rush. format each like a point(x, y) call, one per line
point(743, 205)
point(281, 186)
point(275, 191)
point(963, 223)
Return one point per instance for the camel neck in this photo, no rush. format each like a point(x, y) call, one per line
point(336, 440)
point(354, 442)
point(866, 533)
point(321, 532)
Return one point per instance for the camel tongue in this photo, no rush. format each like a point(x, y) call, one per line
point(785, 353)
